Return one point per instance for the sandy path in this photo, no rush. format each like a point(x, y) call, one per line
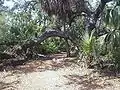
point(67, 78)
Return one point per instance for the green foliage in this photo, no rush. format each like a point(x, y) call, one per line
point(112, 17)
point(18, 27)
point(88, 43)
point(51, 45)
point(112, 39)
point(77, 30)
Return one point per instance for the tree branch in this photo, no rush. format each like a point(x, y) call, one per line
point(97, 13)
point(48, 33)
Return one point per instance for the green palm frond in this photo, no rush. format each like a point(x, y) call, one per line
point(88, 43)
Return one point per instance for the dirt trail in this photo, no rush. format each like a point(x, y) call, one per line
point(56, 74)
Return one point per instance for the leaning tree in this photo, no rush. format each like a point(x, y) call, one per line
point(66, 11)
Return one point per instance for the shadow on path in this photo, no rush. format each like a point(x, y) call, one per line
point(86, 82)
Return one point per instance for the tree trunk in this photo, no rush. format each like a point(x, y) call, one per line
point(67, 48)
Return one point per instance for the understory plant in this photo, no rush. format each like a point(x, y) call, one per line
point(112, 41)
point(88, 46)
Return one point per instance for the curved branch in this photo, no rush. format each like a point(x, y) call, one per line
point(48, 33)
point(52, 33)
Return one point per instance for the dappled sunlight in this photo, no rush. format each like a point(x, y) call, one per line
point(59, 44)
point(87, 83)
point(55, 75)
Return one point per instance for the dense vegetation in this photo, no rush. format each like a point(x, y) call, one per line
point(50, 26)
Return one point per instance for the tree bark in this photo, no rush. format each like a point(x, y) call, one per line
point(90, 23)
point(57, 33)
point(67, 48)
point(48, 33)
point(96, 15)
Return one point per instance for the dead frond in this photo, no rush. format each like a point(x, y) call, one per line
point(64, 9)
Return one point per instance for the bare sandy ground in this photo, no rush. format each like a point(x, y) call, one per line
point(51, 75)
